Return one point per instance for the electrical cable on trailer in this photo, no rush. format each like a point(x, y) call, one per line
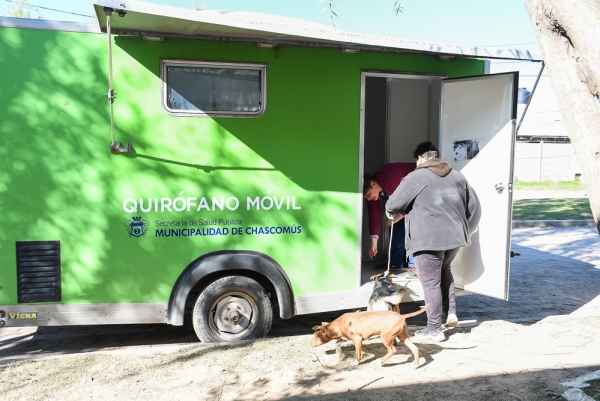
point(55, 10)
point(115, 147)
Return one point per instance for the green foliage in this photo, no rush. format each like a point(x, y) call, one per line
point(549, 185)
point(22, 9)
point(203, 6)
point(330, 5)
point(552, 209)
point(398, 7)
point(592, 389)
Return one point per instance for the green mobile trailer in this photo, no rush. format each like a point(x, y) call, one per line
point(239, 191)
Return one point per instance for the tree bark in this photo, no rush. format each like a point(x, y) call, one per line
point(568, 33)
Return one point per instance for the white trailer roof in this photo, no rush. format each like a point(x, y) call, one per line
point(147, 19)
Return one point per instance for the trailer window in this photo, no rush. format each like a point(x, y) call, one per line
point(213, 89)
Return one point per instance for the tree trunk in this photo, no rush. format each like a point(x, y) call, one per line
point(569, 36)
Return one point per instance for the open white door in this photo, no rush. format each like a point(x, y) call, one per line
point(477, 137)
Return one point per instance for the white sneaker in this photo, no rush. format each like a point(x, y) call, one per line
point(436, 335)
point(452, 320)
point(411, 275)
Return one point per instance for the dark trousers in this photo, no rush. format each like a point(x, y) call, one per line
point(434, 272)
point(397, 250)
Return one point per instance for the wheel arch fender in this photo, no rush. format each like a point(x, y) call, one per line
point(235, 261)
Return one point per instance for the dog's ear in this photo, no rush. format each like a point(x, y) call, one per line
point(324, 323)
point(316, 328)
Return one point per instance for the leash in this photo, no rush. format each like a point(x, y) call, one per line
point(387, 272)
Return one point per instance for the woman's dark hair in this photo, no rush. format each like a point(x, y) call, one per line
point(367, 183)
point(424, 148)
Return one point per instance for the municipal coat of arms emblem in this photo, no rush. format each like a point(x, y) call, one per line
point(136, 227)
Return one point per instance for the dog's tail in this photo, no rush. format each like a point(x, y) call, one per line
point(415, 313)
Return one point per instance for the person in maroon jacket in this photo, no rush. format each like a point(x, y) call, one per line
point(377, 188)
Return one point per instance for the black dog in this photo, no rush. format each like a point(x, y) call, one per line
point(386, 296)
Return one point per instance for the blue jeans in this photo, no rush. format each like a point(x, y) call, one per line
point(398, 252)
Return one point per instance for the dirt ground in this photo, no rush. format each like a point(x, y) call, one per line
point(546, 334)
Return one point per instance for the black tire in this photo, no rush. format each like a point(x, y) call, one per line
point(232, 308)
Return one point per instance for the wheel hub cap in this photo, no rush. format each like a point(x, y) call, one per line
point(233, 314)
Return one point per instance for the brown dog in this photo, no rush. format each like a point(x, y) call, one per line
point(360, 326)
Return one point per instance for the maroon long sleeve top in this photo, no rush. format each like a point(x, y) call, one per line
point(388, 177)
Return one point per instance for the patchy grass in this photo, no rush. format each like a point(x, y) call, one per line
point(552, 209)
point(549, 185)
point(593, 389)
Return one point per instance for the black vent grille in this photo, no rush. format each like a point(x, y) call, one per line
point(38, 271)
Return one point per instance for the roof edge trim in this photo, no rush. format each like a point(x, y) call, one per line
point(48, 25)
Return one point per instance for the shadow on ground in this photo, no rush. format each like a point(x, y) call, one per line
point(542, 284)
point(540, 386)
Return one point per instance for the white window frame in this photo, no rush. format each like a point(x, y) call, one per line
point(164, 63)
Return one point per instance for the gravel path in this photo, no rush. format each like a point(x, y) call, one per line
point(546, 334)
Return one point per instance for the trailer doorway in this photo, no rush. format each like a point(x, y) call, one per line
point(398, 111)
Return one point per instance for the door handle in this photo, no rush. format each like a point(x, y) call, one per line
point(499, 188)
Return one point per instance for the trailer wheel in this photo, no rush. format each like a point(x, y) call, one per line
point(232, 308)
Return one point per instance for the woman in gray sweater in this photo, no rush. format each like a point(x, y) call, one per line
point(438, 204)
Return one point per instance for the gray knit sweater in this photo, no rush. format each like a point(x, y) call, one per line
point(438, 203)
